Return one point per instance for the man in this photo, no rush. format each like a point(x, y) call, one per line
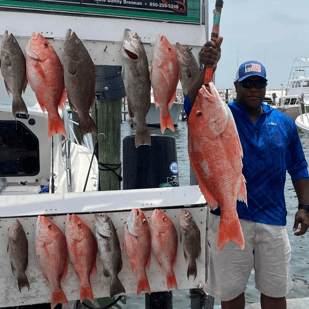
point(271, 147)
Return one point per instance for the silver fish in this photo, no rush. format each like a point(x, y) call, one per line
point(110, 252)
point(137, 84)
point(188, 66)
point(79, 81)
point(13, 69)
point(18, 250)
point(190, 237)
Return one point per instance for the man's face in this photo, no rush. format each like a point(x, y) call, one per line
point(250, 97)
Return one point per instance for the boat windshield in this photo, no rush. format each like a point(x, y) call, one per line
point(306, 83)
point(19, 150)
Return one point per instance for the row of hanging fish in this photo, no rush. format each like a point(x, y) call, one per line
point(54, 250)
point(52, 80)
point(168, 66)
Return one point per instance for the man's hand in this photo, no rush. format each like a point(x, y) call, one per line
point(302, 218)
point(210, 53)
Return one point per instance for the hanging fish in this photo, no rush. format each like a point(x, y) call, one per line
point(45, 76)
point(18, 250)
point(110, 252)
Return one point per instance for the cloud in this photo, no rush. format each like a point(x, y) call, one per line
point(288, 20)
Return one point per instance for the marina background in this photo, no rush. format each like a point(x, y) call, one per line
point(299, 262)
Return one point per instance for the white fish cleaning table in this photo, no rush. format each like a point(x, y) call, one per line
point(117, 205)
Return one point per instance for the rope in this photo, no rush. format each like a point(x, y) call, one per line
point(110, 305)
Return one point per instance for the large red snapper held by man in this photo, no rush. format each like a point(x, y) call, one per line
point(164, 75)
point(164, 241)
point(45, 76)
point(137, 245)
point(52, 255)
point(82, 249)
point(216, 154)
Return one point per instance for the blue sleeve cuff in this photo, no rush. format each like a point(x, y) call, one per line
point(187, 105)
point(303, 174)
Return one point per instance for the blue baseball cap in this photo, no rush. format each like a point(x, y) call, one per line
point(250, 68)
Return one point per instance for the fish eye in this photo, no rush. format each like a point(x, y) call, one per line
point(164, 219)
point(79, 225)
point(198, 113)
point(144, 220)
point(50, 226)
point(77, 41)
point(45, 44)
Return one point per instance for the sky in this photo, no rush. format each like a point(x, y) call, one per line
point(272, 32)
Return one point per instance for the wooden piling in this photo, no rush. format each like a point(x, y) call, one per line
point(107, 116)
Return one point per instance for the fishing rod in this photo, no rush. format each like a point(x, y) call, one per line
point(214, 36)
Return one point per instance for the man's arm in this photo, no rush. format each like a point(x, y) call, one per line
point(302, 216)
point(209, 56)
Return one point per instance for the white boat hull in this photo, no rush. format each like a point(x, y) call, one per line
point(302, 123)
point(153, 116)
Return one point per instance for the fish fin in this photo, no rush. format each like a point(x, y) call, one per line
point(8, 247)
point(94, 269)
point(172, 100)
point(56, 126)
point(175, 259)
point(19, 106)
point(86, 293)
point(192, 269)
point(143, 285)
point(87, 125)
point(23, 281)
point(119, 266)
point(13, 269)
point(185, 255)
point(7, 88)
point(132, 264)
point(25, 84)
point(63, 99)
point(171, 281)
point(242, 194)
point(166, 122)
point(131, 113)
point(42, 106)
point(105, 272)
point(142, 136)
point(180, 237)
point(58, 297)
point(64, 274)
point(116, 287)
point(230, 230)
point(148, 260)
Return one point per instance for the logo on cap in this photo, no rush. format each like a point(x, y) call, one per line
point(253, 67)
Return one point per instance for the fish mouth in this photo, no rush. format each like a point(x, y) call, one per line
point(69, 34)
point(130, 221)
point(30, 52)
point(129, 45)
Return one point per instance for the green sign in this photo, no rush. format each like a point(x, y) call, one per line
point(187, 11)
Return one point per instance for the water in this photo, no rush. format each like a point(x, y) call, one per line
point(299, 266)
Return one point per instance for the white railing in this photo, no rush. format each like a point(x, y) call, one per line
point(303, 106)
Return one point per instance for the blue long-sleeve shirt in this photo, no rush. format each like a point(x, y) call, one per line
point(271, 146)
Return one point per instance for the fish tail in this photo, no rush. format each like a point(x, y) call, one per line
point(166, 122)
point(142, 136)
point(116, 287)
point(171, 281)
point(192, 270)
point(56, 126)
point(86, 293)
point(230, 230)
point(23, 281)
point(58, 297)
point(143, 285)
point(19, 106)
point(87, 125)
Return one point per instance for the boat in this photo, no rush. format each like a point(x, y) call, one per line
point(298, 83)
point(302, 121)
point(30, 163)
